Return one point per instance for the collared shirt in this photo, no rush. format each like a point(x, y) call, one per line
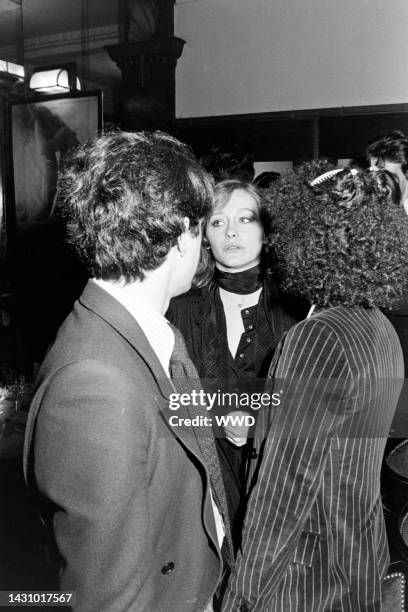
point(154, 325)
point(161, 338)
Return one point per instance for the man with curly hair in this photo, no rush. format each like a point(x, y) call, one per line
point(314, 536)
point(137, 514)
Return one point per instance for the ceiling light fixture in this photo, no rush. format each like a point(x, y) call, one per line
point(15, 69)
point(10, 75)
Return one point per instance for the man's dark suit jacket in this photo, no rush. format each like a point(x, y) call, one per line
point(130, 505)
point(314, 537)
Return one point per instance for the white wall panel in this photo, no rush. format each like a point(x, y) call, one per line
point(248, 56)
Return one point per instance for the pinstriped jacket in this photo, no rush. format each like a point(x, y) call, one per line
point(314, 536)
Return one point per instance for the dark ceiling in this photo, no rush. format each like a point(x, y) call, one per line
point(48, 17)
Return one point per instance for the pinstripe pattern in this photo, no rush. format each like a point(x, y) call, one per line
point(314, 536)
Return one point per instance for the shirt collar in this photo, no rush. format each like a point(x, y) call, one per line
point(154, 325)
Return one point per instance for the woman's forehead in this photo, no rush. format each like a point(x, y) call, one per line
point(239, 199)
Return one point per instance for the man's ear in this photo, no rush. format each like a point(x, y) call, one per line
point(182, 240)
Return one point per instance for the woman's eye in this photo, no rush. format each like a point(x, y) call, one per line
point(217, 222)
point(247, 219)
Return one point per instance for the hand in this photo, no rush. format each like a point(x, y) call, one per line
point(237, 434)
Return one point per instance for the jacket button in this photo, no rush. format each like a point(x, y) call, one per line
point(167, 568)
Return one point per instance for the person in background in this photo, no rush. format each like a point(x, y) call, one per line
point(314, 536)
point(390, 152)
point(265, 179)
point(233, 320)
point(229, 158)
point(138, 514)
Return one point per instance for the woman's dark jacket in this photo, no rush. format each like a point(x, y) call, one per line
point(199, 315)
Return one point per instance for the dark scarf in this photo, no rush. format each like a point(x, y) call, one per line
point(215, 359)
point(242, 283)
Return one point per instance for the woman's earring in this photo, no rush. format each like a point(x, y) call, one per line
point(206, 244)
point(266, 246)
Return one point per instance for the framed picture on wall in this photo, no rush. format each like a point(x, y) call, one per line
point(43, 131)
point(2, 187)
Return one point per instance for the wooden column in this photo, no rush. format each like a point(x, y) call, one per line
point(148, 81)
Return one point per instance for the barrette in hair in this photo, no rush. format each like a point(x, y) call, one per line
point(325, 177)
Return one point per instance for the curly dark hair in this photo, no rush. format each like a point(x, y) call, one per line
point(125, 197)
point(344, 243)
point(312, 168)
point(229, 159)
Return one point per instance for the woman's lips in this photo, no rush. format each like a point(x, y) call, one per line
point(232, 247)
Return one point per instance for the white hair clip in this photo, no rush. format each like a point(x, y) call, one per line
point(353, 171)
point(325, 177)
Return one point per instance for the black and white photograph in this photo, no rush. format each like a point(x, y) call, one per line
point(43, 132)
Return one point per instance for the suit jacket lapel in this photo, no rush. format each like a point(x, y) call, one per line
point(110, 310)
point(114, 314)
point(186, 378)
